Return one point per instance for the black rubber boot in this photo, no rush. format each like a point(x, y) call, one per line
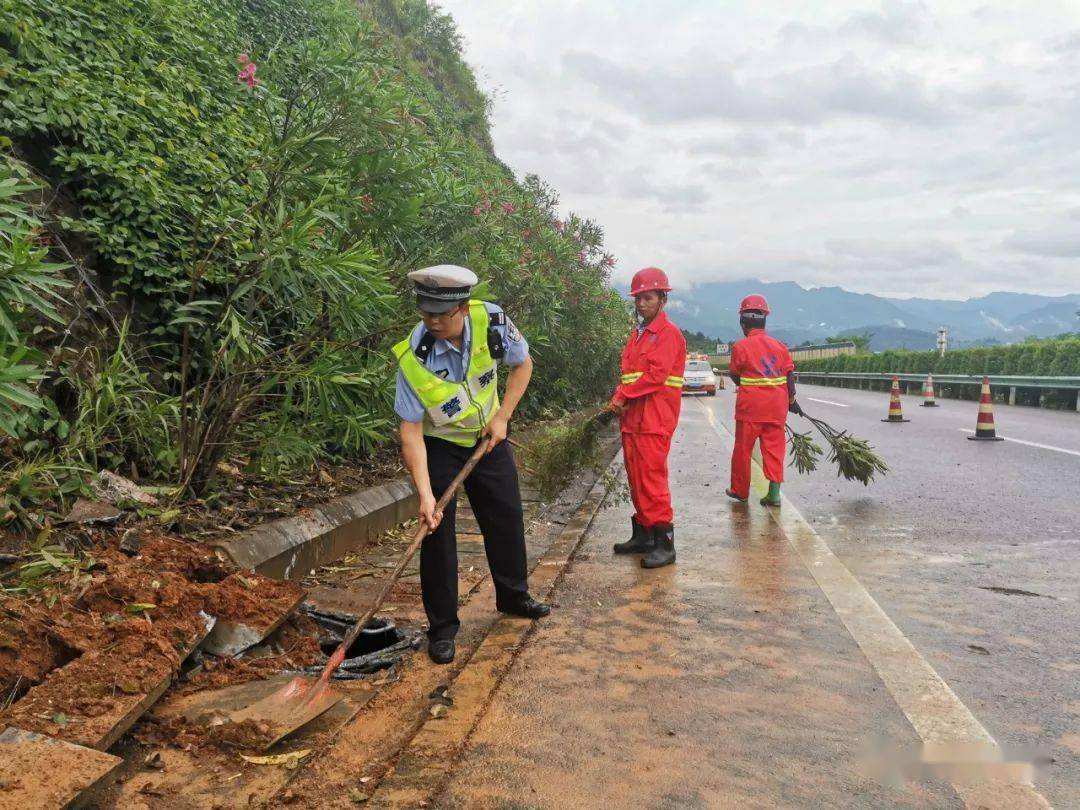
point(664, 553)
point(640, 542)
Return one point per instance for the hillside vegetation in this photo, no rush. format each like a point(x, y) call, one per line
point(207, 210)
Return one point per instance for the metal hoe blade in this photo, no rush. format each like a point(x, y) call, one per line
point(296, 704)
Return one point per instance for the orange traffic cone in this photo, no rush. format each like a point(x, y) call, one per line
point(984, 427)
point(928, 392)
point(896, 413)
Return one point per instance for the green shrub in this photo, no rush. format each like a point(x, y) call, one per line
point(28, 286)
point(239, 247)
point(1036, 358)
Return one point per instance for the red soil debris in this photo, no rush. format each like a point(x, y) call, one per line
point(88, 655)
point(32, 644)
point(249, 599)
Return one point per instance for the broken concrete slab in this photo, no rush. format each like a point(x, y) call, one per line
point(232, 635)
point(293, 547)
point(42, 772)
point(125, 688)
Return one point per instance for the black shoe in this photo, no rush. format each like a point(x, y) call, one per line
point(441, 650)
point(529, 608)
point(640, 542)
point(664, 553)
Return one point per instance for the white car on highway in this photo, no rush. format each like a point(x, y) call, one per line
point(698, 378)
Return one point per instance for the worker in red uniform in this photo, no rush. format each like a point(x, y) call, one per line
point(648, 401)
point(761, 367)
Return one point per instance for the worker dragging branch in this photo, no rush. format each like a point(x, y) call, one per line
point(648, 401)
point(761, 367)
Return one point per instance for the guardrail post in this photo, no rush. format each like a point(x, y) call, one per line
point(1012, 394)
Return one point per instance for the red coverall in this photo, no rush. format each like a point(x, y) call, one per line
point(762, 364)
point(658, 354)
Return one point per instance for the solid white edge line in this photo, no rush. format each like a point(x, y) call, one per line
point(938, 716)
point(1031, 444)
point(828, 402)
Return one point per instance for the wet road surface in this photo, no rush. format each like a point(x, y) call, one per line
point(731, 679)
point(973, 550)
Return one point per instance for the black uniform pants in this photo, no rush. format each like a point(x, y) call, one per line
point(495, 497)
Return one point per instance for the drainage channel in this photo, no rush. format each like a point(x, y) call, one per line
point(380, 645)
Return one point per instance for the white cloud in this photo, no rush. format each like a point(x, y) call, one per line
point(901, 147)
point(1060, 239)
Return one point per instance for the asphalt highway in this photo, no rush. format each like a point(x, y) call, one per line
point(973, 550)
point(795, 657)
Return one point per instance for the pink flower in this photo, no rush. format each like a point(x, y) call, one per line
point(247, 75)
point(477, 211)
point(486, 203)
point(610, 261)
point(243, 59)
point(508, 207)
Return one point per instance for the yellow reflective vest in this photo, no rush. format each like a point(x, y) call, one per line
point(457, 412)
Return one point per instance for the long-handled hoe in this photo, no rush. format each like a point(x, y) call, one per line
point(302, 699)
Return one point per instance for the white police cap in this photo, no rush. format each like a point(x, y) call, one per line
point(442, 287)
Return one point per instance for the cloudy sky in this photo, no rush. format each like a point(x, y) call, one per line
point(902, 148)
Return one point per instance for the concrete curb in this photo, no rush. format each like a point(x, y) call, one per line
point(425, 763)
point(293, 547)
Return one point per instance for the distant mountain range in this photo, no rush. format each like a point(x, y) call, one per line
point(800, 314)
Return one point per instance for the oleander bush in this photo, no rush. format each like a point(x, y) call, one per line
point(207, 210)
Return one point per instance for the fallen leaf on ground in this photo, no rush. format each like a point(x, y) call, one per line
point(277, 759)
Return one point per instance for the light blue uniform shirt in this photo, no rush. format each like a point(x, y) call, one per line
point(445, 357)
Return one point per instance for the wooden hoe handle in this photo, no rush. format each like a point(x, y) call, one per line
point(418, 538)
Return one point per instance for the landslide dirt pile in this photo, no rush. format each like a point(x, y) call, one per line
point(72, 660)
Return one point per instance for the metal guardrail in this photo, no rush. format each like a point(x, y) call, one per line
point(1012, 382)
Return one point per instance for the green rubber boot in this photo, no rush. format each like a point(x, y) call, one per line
point(773, 497)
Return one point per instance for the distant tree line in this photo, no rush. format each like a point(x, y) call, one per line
point(1051, 357)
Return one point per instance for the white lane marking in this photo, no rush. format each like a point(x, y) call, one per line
point(938, 716)
point(828, 402)
point(1030, 444)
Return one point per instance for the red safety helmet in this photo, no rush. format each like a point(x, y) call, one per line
point(649, 279)
point(756, 303)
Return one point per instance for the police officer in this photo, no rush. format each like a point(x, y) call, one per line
point(761, 367)
point(448, 401)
